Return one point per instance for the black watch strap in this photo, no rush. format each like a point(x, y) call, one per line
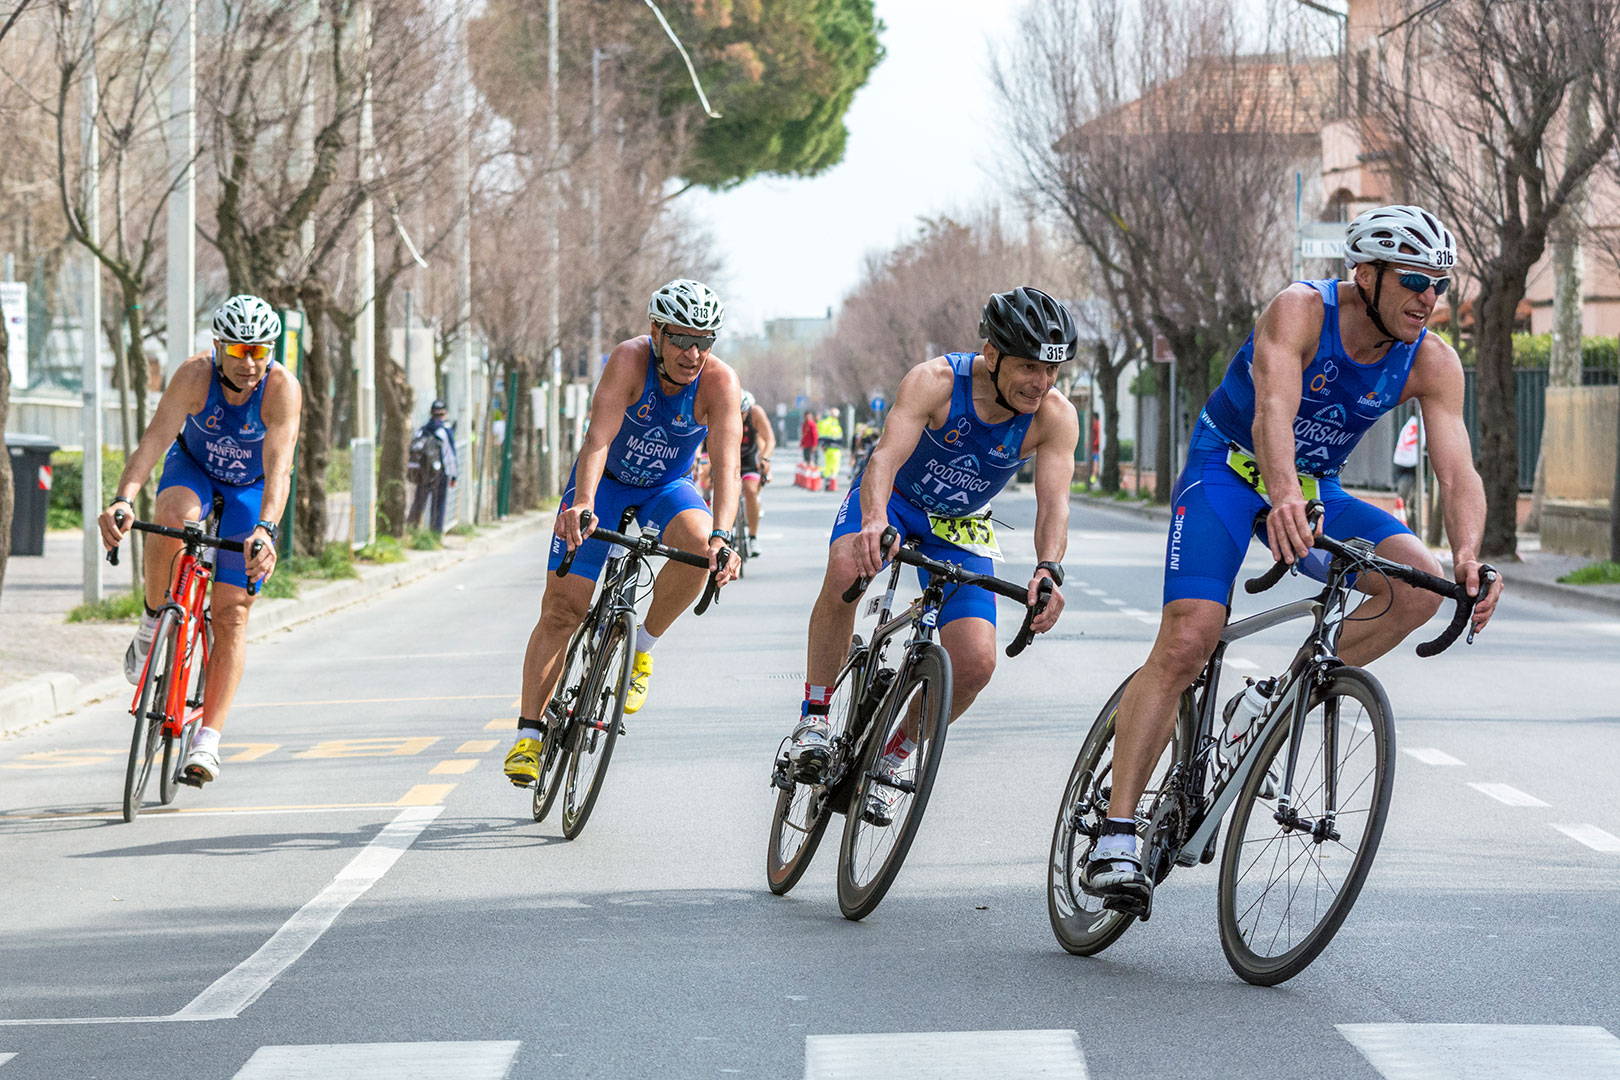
point(723, 534)
point(1053, 568)
point(275, 532)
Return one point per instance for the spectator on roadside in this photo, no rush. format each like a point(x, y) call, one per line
point(1406, 463)
point(809, 437)
point(432, 467)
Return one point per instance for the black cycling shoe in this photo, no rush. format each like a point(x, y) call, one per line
point(1118, 880)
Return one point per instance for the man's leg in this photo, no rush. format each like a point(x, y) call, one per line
point(419, 497)
point(971, 644)
point(563, 607)
point(750, 486)
point(1393, 609)
point(175, 505)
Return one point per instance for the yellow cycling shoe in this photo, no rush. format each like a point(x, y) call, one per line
point(640, 675)
point(523, 762)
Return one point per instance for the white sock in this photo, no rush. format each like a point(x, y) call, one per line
point(644, 640)
point(148, 627)
point(207, 739)
point(1115, 843)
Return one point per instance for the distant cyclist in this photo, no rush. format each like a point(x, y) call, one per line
point(660, 395)
point(1325, 361)
point(225, 427)
point(961, 426)
point(758, 443)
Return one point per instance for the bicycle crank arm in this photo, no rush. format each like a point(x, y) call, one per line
point(898, 785)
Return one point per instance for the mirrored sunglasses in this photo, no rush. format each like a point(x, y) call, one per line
point(704, 342)
point(1416, 282)
point(243, 350)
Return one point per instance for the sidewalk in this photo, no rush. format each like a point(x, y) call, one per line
point(1536, 573)
point(49, 666)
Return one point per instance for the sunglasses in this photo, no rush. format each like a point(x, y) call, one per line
point(704, 342)
point(244, 351)
point(1416, 282)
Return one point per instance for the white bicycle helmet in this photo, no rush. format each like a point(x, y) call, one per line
point(684, 302)
point(1400, 234)
point(747, 402)
point(248, 319)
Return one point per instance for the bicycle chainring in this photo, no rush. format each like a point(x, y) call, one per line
point(1166, 832)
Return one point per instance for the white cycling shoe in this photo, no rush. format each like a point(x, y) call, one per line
point(201, 766)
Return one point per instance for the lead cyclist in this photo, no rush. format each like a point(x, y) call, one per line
point(1326, 360)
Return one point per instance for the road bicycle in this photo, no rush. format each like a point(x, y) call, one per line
point(586, 714)
point(878, 699)
point(167, 706)
point(1309, 795)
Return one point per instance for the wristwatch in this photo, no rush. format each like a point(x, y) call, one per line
point(275, 532)
point(723, 534)
point(1053, 568)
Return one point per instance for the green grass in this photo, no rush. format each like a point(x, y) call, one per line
point(425, 540)
point(466, 528)
point(122, 607)
point(333, 563)
point(1599, 573)
point(385, 549)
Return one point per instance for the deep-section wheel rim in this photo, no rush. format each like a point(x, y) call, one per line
point(596, 723)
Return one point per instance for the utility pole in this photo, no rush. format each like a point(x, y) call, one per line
point(363, 445)
point(553, 473)
point(458, 390)
point(182, 132)
point(593, 361)
point(91, 418)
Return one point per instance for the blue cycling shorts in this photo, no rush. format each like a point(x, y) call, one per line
point(1212, 522)
point(655, 507)
point(963, 602)
point(242, 508)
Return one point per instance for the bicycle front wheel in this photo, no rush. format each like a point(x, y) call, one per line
point(176, 749)
point(803, 810)
point(596, 722)
point(1290, 876)
point(1079, 921)
point(148, 714)
point(888, 803)
point(564, 699)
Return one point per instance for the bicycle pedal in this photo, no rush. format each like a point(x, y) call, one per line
point(190, 779)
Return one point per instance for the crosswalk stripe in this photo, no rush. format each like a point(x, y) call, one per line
point(946, 1055)
point(1593, 837)
point(1507, 794)
point(1486, 1051)
point(382, 1061)
point(1242, 664)
point(6, 1057)
point(1431, 756)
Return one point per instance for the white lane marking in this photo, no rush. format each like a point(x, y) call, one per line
point(382, 1061)
point(1593, 837)
point(1082, 584)
point(1094, 592)
point(946, 1055)
point(1486, 1051)
point(1506, 794)
point(241, 986)
point(1136, 611)
point(6, 1057)
point(238, 988)
point(1242, 664)
point(1148, 620)
point(1430, 756)
point(1111, 602)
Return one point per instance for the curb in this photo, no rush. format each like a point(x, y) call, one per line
point(1134, 509)
point(44, 698)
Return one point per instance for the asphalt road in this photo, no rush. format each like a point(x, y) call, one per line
point(362, 893)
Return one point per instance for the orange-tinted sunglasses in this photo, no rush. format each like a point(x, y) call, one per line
point(244, 351)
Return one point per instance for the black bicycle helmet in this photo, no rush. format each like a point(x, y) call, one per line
point(1028, 323)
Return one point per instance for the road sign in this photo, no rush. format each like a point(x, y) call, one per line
point(14, 298)
point(800, 402)
point(878, 404)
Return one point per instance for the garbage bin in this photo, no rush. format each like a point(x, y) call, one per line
point(31, 481)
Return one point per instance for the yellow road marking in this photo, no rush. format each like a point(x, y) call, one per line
point(426, 795)
point(379, 747)
point(517, 703)
point(505, 723)
point(291, 809)
point(250, 751)
point(363, 701)
point(63, 759)
point(476, 746)
point(455, 765)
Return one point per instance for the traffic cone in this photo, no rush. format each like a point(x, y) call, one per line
point(1400, 509)
point(815, 479)
point(832, 483)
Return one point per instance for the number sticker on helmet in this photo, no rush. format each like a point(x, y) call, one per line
point(1054, 354)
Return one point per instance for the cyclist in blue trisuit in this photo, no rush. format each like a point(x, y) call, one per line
point(226, 427)
point(961, 427)
point(660, 395)
point(1325, 361)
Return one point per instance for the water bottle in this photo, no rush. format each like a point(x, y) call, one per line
point(1240, 730)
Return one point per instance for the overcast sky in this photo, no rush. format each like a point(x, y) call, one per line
point(919, 136)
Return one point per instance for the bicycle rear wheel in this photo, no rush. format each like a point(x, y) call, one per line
point(596, 722)
point(873, 848)
point(566, 697)
point(1285, 891)
point(176, 749)
point(147, 735)
point(803, 810)
point(1080, 922)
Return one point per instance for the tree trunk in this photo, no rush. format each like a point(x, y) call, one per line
point(314, 439)
point(1108, 391)
point(394, 400)
point(1162, 479)
point(7, 506)
point(1496, 410)
point(525, 468)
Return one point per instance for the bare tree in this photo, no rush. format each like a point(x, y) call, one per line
point(1164, 149)
point(1469, 103)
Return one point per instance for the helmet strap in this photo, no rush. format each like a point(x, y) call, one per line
point(225, 380)
point(995, 383)
point(1372, 306)
point(663, 375)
